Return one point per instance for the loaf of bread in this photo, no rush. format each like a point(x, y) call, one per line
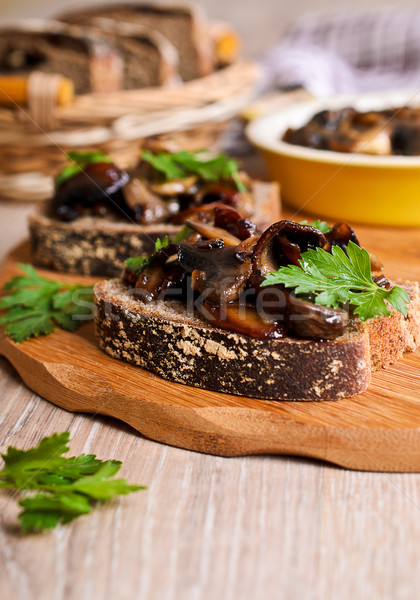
point(99, 246)
point(85, 57)
point(148, 58)
point(161, 337)
point(183, 25)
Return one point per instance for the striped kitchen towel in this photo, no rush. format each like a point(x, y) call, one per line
point(346, 52)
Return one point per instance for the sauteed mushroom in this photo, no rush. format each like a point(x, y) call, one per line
point(242, 319)
point(147, 207)
point(216, 270)
point(340, 235)
point(96, 187)
point(281, 244)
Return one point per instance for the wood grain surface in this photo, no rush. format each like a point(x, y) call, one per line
point(209, 527)
point(376, 431)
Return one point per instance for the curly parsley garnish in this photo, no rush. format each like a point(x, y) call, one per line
point(66, 487)
point(36, 306)
point(338, 278)
point(179, 165)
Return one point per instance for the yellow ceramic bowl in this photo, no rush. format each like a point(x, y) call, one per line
point(380, 190)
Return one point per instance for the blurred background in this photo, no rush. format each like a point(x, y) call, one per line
point(260, 23)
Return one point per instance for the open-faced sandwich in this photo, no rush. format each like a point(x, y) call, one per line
point(296, 312)
point(100, 214)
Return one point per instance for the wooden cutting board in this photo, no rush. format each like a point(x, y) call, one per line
point(377, 431)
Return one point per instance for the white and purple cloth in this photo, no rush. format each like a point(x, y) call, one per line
point(348, 52)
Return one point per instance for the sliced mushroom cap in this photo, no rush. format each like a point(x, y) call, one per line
point(146, 206)
point(187, 185)
point(242, 318)
point(231, 220)
point(312, 321)
point(209, 231)
point(98, 183)
point(219, 274)
point(158, 276)
point(282, 244)
point(224, 192)
point(340, 235)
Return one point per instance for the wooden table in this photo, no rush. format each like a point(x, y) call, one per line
point(207, 527)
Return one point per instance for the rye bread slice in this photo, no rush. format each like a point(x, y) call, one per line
point(99, 246)
point(162, 338)
point(183, 24)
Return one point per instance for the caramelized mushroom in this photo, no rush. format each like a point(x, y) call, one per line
point(230, 219)
point(219, 273)
point(242, 318)
point(282, 244)
point(97, 185)
point(209, 231)
point(175, 186)
point(147, 207)
point(340, 235)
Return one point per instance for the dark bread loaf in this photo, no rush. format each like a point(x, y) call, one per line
point(82, 55)
point(161, 337)
point(99, 246)
point(182, 24)
point(149, 59)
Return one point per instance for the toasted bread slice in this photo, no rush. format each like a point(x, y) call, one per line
point(99, 246)
point(161, 337)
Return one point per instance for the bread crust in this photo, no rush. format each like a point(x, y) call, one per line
point(99, 246)
point(390, 337)
point(161, 337)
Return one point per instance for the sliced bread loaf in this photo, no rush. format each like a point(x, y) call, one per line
point(184, 25)
point(161, 337)
point(149, 59)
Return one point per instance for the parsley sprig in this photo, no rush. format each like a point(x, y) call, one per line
point(78, 162)
point(338, 278)
point(178, 165)
point(66, 487)
point(36, 305)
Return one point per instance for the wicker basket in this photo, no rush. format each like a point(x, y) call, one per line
point(195, 114)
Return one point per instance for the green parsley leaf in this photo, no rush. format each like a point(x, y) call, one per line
point(183, 234)
point(78, 162)
point(44, 512)
point(181, 164)
point(139, 263)
point(36, 305)
point(66, 487)
point(320, 225)
point(338, 278)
